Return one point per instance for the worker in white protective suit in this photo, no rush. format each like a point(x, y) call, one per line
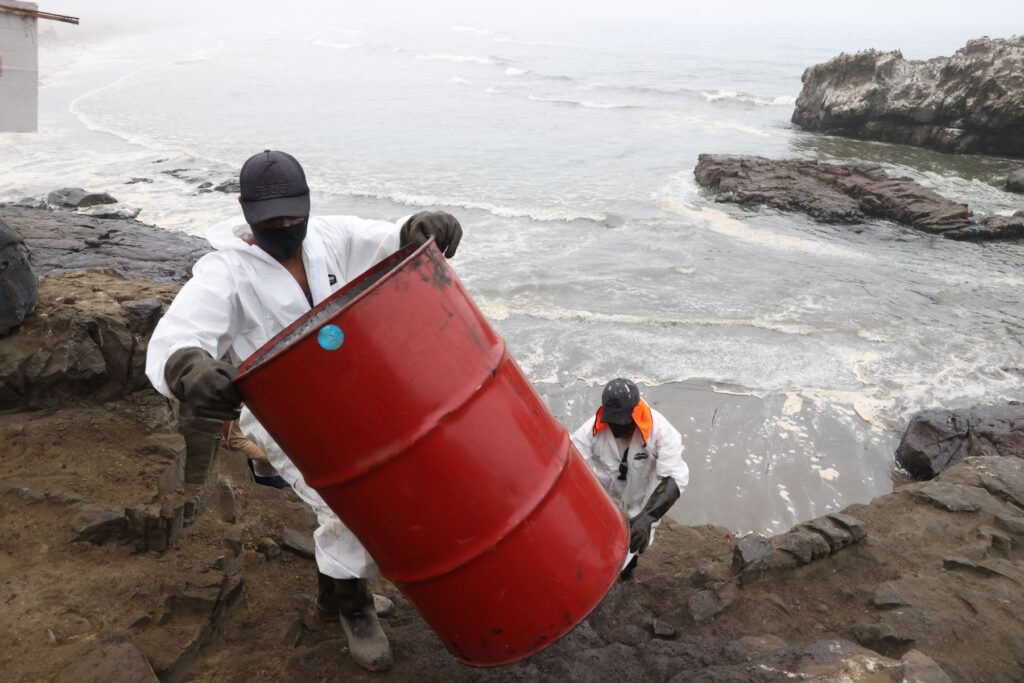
point(638, 458)
point(266, 272)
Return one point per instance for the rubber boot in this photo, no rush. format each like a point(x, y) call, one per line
point(367, 644)
point(326, 606)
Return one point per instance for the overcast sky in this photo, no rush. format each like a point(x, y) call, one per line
point(1007, 14)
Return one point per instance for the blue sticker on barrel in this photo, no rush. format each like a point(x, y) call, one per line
point(330, 337)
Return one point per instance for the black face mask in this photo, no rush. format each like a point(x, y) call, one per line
point(281, 243)
point(620, 431)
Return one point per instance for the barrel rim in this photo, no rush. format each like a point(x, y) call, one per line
point(268, 353)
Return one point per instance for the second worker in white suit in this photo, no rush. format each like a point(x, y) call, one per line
point(638, 458)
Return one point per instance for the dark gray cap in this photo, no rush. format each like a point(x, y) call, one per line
point(619, 398)
point(273, 186)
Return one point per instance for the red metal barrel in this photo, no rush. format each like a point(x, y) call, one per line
point(403, 409)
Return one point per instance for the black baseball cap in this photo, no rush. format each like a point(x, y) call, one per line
point(619, 398)
point(273, 186)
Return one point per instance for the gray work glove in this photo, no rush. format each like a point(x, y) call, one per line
point(662, 498)
point(203, 383)
point(440, 225)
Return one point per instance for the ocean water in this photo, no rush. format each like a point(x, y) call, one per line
point(789, 353)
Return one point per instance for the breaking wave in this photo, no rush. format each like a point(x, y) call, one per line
point(460, 59)
point(747, 98)
point(583, 103)
point(544, 214)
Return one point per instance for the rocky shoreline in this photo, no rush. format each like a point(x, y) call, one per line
point(134, 549)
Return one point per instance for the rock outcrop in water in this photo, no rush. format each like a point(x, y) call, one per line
point(972, 102)
point(936, 440)
point(846, 193)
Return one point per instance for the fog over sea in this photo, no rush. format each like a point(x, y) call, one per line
point(789, 353)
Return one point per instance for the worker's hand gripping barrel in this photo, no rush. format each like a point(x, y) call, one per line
point(403, 409)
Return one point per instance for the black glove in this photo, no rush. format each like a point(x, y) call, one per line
point(664, 495)
point(203, 383)
point(445, 230)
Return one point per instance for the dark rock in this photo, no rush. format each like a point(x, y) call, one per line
point(882, 635)
point(19, 292)
point(833, 193)
point(172, 480)
point(751, 549)
point(97, 524)
point(268, 548)
point(223, 502)
point(851, 524)
point(989, 228)
point(888, 595)
point(136, 180)
point(234, 538)
point(845, 193)
point(751, 557)
point(57, 244)
point(837, 536)
point(705, 604)
point(966, 103)
point(1015, 181)
point(805, 546)
point(299, 543)
point(964, 563)
point(31, 203)
point(938, 439)
point(143, 315)
point(711, 573)
point(996, 541)
point(183, 174)
point(1015, 525)
point(663, 629)
point(230, 186)
point(77, 198)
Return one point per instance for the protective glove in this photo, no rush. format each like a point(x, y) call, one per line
point(445, 230)
point(203, 383)
point(664, 495)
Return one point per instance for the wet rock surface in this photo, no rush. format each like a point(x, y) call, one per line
point(970, 102)
point(77, 198)
point(846, 194)
point(938, 439)
point(59, 241)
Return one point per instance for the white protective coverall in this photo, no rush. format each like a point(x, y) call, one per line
point(651, 454)
point(238, 299)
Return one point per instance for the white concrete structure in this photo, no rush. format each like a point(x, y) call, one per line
point(19, 70)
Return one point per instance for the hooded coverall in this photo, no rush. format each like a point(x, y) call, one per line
point(238, 299)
